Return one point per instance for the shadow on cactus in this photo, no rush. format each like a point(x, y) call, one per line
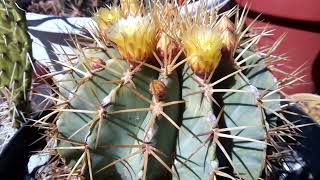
point(169, 92)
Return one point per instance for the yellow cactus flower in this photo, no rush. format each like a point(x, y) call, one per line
point(203, 47)
point(105, 17)
point(135, 37)
point(229, 38)
point(130, 7)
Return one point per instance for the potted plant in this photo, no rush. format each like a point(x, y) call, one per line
point(173, 101)
point(166, 91)
point(19, 83)
point(15, 82)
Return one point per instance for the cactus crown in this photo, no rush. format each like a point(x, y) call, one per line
point(194, 110)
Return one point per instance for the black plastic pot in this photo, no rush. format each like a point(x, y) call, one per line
point(15, 156)
point(308, 146)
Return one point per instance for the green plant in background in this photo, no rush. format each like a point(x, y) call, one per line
point(15, 62)
point(185, 96)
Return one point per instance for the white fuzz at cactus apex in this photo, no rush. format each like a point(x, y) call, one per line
point(134, 37)
point(214, 166)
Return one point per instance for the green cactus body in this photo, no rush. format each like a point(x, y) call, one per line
point(164, 133)
point(240, 109)
point(116, 128)
point(113, 126)
point(194, 154)
point(268, 85)
point(15, 53)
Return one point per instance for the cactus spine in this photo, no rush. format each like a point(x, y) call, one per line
point(15, 53)
point(182, 99)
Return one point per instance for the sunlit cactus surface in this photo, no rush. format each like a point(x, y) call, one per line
point(167, 91)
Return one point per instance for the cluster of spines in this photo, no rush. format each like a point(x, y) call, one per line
point(15, 60)
point(157, 89)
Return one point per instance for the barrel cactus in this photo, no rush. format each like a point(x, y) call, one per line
point(168, 92)
point(15, 68)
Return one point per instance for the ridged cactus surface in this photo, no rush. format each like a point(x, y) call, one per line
point(15, 53)
point(185, 96)
point(241, 114)
point(100, 128)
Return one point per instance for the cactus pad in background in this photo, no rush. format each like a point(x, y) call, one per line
point(15, 53)
point(182, 99)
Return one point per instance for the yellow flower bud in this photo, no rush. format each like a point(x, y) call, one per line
point(225, 24)
point(203, 47)
point(105, 17)
point(229, 38)
point(229, 41)
point(157, 88)
point(135, 37)
point(165, 46)
point(93, 58)
point(97, 63)
point(130, 7)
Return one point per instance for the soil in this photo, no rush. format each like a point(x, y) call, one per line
point(6, 124)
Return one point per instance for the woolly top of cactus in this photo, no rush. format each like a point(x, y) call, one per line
point(132, 24)
point(203, 49)
point(134, 37)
